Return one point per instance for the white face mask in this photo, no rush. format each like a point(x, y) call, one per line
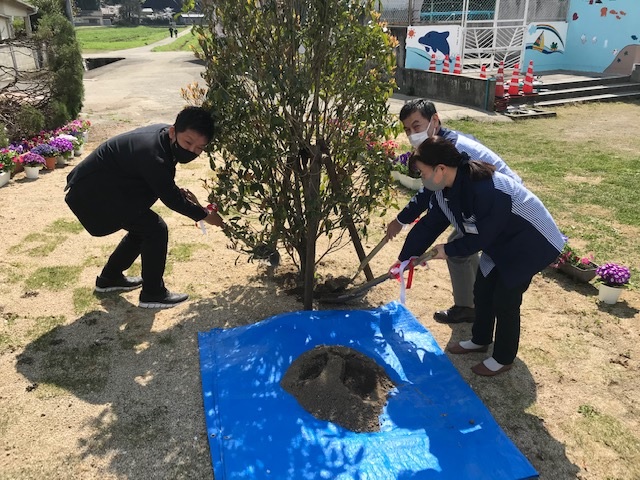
point(429, 184)
point(417, 138)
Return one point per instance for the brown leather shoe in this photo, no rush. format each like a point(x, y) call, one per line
point(459, 349)
point(455, 314)
point(481, 369)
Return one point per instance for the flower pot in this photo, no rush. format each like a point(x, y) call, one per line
point(4, 178)
point(78, 151)
point(17, 169)
point(50, 163)
point(607, 294)
point(61, 161)
point(407, 181)
point(584, 275)
point(32, 172)
point(85, 136)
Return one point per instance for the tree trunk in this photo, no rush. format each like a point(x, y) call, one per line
point(346, 214)
point(311, 183)
point(313, 221)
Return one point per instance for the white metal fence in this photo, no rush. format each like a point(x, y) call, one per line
point(493, 30)
point(422, 12)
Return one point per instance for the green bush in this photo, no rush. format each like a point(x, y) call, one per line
point(65, 64)
point(57, 115)
point(29, 121)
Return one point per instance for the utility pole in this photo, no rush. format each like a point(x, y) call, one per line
point(68, 10)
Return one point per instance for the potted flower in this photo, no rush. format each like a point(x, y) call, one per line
point(400, 171)
point(64, 148)
point(612, 278)
point(83, 127)
point(48, 152)
point(581, 268)
point(76, 142)
point(32, 163)
point(7, 164)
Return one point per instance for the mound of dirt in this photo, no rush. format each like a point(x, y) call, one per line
point(341, 385)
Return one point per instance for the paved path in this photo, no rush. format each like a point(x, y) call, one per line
point(144, 87)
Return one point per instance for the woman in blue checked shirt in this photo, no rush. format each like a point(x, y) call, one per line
point(497, 216)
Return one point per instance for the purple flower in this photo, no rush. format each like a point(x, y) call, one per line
point(61, 144)
point(613, 275)
point(31, 159)
point(45, 150)
point(401, 163)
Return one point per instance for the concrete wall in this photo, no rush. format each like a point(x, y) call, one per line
point(601, 37)
point(14, 59)
point(473, 92)
point(11, 9)
point(447, 87)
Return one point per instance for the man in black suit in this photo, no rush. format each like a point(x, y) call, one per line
point(114, 187)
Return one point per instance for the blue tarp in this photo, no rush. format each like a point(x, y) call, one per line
point(433, 427)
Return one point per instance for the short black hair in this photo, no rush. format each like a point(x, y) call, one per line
point(422, 105)
point(197, 119)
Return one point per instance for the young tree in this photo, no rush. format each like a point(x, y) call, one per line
point(300, 89)
point(64, 61)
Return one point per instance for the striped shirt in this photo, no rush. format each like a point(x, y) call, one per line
point(497, 216)
point(476, 151)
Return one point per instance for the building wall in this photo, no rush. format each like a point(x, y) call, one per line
point(601, 36)
point(15, 59)
point(12, 10)
point(5, 28)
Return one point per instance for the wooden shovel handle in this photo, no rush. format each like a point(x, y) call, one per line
point(426, 256)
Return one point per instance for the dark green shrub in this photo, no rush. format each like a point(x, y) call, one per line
point(28, 122)
point(64, 62)
point(57, 115)
point(307, 89)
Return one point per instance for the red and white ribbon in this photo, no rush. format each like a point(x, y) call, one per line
point(397, 271)
point(212, 207)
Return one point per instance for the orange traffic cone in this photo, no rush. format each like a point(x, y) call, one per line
point(527, 88)
point(500, 81)
point(445, 66)
point(483, 71)
point(513, 86)
point(457, 67)
point(432, 64)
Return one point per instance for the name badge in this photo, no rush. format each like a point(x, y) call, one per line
point(470, 228)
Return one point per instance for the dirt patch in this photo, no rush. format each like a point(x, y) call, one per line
point(340, 385)
point(583, 179)
point(94, 387)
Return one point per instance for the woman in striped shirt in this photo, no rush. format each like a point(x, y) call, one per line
point(501, 218)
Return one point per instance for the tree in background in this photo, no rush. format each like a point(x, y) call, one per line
point(88, 4)
point(300, 90)
point(51, 96)
point(130, 11)
point(64, 61)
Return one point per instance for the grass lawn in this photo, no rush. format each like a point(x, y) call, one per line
point(186, 42)
point(587, 180)
point(95, 39)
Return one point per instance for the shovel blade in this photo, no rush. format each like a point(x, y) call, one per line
point(354, 293)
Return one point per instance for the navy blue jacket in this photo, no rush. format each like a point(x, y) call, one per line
point(476, 151)
point(497, 216)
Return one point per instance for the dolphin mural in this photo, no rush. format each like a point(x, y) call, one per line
point(436, 41)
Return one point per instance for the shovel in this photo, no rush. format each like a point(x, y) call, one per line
point(360, 291)
point(367, 259)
